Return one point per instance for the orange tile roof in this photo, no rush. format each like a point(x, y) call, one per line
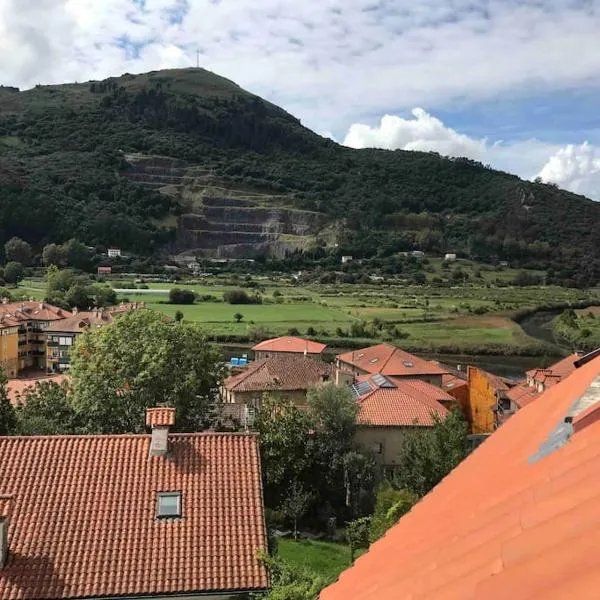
point(408, 403)
point(82, 320)
point(30, 310)
point(84, 524)
point(5, 506)
point(281, 373)
point(17, 387)
point(290, 344)
point(507, 522)
point(389, 360)
point(563, 368)
point(522, 394)
point(160, 417)
point(452, 382)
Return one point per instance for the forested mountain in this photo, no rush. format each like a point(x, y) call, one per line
point(62, 157)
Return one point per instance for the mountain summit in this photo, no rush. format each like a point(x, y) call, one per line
point(187, 161)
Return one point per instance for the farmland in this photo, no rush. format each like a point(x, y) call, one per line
point(469, 319)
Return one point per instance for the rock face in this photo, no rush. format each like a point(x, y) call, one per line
point(222, 220)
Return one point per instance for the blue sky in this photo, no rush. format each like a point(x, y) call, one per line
point(514, 83)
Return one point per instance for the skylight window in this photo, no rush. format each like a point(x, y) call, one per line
point(168, 505)
point(408, 364)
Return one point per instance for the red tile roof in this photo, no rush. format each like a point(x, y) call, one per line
point(82, 320)
point(408, 403)
point(290, 344)
point(452, 382)
point(5, 506)
point(160, 417)
point(17, 387)
point(558, 371)
point(502, 524)
point(32, 311)
point(281, 373)
point(522, 394)
point(389, 360)
point(84, 524)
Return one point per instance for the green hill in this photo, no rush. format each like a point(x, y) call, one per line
point(183, 159)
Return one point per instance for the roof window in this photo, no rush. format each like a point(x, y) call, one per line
point(408, 364)
point(168, 505)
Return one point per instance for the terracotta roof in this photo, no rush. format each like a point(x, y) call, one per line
point(522, 394)
point(281, 373)
point(389, 360)
point(563, 368)
point(5, 506)
point(84, 523)
point(399, 403)
point(290, 344)
point(17, 387)
point(82, 320)
point(160, 417)
point(509, 522)
point(452, 382)
point(32, 311)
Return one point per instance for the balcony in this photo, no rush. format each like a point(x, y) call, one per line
point(37, 353)
point(52, 344)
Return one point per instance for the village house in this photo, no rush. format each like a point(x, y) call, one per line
point(346, 259)
point(389, 407)
point(285, 376)
point(114, 252)
point(389, 360)
point(518, 519)
point(542, 379)
point(450, 257)
point(61, 335)
point(287, 345)
point(166, 515)
point(22, 334)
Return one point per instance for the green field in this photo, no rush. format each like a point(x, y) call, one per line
point(326, 559)
point(461, 319)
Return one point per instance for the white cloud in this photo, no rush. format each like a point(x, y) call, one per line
point(424, 132)
point(328, 61)
point(576, 168)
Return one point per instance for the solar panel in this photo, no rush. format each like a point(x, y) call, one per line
point(361, 388)
point(382, 381)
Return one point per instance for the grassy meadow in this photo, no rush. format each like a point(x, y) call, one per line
point(473, 318)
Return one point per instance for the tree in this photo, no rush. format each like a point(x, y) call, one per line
point(141, 361)
point(54, 254)
point(285, 447)
point(357, 534)
point(78, 297)
point(45, 410)
point(77, 255)
point(390, 505)
point(103, 295)
point(13, 272)
point(427, 457)
point(238, 317)
point(179, 296)
point(295, 504)
point(7, 414)
point(178, 316)
point(18, 250)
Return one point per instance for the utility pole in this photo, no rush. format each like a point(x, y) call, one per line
point(197, 59)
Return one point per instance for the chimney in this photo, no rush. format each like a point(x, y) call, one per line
point(160, 419)
point(5, 506)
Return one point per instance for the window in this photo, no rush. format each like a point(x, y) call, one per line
point(377, 447)
point(169, 504)
point(65, 341)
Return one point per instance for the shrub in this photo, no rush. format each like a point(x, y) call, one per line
point(179, 296)
point(241, 297)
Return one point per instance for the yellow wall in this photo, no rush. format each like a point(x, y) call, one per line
point(482, 401)
point(9, 351)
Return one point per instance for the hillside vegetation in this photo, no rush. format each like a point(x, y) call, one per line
point(62, 157)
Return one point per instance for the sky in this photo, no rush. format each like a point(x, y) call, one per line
point(512, 83)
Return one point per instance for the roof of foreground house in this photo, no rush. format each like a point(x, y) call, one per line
point(83, 516)
point(389, 360)
point(518, 519)
point(280, 373)
point(290, 343)
point(388, 402)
